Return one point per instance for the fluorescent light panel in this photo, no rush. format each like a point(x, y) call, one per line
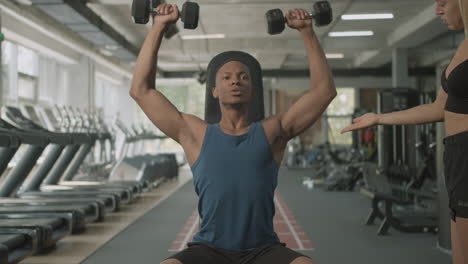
point(351, 33)
point(366, 16)
point(206, 36)
point(334, 55)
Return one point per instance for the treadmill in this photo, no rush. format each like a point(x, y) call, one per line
point(57, 162)
point(56, 181)
point(67, 178)
point(15, 246)
point(15, 140)
point(102, 202)
point(22, 237)
point(76, 213)
point(155, 168)
point(75, 117)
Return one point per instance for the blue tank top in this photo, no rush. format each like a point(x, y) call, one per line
point(235, 178)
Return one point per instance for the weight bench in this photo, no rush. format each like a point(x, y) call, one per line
point(386, 198)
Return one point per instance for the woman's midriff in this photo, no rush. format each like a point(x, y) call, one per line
point(455, 123)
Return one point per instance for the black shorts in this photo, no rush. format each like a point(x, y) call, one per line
point(200, 253)
point(456, 174)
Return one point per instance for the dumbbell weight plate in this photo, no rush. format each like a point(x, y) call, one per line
point(190, 14)
point(140, 11)
point(322, 13)
point(275, 21)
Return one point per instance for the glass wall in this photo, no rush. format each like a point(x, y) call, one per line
point(28, 65)
point(30, 78)
point(188, 96)
point(339, 115)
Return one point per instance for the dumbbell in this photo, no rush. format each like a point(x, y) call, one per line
point(141, 10)
point(322, 14)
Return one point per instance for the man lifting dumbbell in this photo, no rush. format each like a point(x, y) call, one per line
point(235, 163)
point(143, 9)
point(322, 15)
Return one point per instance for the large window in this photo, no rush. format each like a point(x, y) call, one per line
point(339, 115)
point(28, 65)
point(20, 73)
point(9, 71)
point(188, 96)
point(106, 96)
point(9, 52)
point(27, 87)
point(28, 61)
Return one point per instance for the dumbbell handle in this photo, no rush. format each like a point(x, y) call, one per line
point(156, 12)
point(309, 16)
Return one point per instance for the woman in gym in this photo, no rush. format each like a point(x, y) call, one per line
point(234, 163)
point(451, 106)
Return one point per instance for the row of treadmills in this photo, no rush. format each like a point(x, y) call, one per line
point(42, 202)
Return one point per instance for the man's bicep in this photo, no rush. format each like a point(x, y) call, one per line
point(304, 112)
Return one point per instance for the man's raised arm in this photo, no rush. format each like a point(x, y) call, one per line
point(155, 105)
point(310, 106)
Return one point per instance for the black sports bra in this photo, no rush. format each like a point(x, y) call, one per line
point(456, 86)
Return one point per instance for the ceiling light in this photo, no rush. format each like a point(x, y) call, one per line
point(351, 34)
point(334, 55)
point(206, 36)
point(367, 16)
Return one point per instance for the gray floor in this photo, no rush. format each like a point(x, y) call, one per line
point(332, 220)
point(334, 223)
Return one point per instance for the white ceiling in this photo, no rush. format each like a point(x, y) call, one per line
point(243, 22)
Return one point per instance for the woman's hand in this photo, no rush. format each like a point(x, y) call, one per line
point(367, 120)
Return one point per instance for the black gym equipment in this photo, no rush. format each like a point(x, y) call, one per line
point(30, 226)
point(49, 230)
point(78, 213)
point(15, 178)
point(141, 10)
point(395, 184)
point(152, 168)
point(34, 234)
point(149, 170)
point(322, 15)
point(394, 211)
point(15, 246)
point(73, 153)
point(396, 144)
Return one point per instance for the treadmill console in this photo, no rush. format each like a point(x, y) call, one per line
point(14, 116)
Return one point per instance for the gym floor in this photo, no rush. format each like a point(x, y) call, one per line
point(333, 222)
